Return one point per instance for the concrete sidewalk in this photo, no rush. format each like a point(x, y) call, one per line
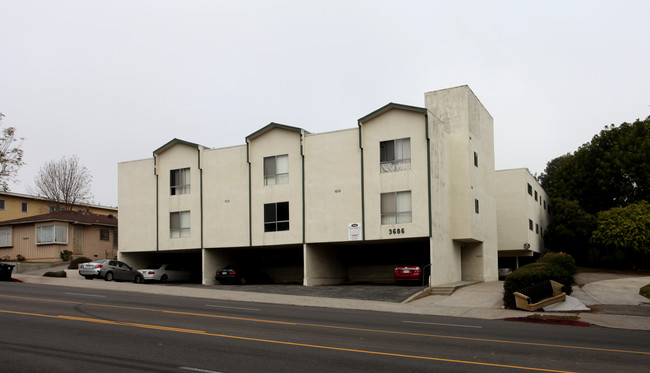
point(480, 301)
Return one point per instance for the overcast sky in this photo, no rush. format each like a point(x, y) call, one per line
point(111, 81)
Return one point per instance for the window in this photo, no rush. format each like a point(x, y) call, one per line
point(2, 204)
point(276, 170)
point(396, 207)
point(476, 159)
point(179, 181)
point(535, 195)
point(530, 189)
point(115, 239)
point(48, 234)
point(476, 206)
point(537, 228)
point(5, 237)
point(395, 155)
point(23, 207)
point(179, 224)
point(104, 235)
point(276, 217)
point(530, 224)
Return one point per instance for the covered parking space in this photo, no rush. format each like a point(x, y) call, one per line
point(367, 262)
point(282, 264)
point(188, 259)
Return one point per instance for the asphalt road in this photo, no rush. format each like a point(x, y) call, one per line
point(65, 329)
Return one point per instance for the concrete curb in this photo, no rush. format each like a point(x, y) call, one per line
point(432, 305)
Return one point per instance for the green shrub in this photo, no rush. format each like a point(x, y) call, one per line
point(74, 263)
point(20, 258)
point(65, 255)
point(559, 267)
point(55, 274)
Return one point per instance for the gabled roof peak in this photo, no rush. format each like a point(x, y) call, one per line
point(272, 126)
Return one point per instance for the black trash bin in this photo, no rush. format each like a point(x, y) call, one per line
point(5, 271)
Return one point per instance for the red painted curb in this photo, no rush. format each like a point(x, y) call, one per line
point(548, 321)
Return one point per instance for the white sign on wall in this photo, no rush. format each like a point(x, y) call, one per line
point(354, 232)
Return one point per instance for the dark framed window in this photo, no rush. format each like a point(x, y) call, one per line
point(395, 155)
point(179, 181)
point(2, 204)
point(276, 217)
point(23, 206)
point(104, 234)
point(530, 224)
point(530, 189)
point(476, 159)
point(476, 206)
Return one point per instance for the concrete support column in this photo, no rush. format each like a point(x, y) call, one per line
point(323, 266)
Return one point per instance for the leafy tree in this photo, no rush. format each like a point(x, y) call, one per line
point(610, 171)
point(66, 181)
point(625, 228)
point(11, 156)
point(570, 229)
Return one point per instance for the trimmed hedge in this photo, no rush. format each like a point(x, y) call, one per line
point(55, 274)
point(74, 263)
point(559, 267)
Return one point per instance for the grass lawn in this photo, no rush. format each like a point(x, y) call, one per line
point(645, 291)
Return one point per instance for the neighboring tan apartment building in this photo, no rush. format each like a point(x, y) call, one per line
point(523, 212)
point(34, 228)
point(16, 206)
point(408, 185)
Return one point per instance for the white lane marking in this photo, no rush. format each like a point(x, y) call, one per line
point(234, 308)
point(87, 295)
point(198, 370)
point(435, 323)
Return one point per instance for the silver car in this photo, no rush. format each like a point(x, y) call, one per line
point(164, 273)
point(110, 270)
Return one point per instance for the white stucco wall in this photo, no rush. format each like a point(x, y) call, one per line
point(392, 125)
point(178, 157)
point(515, 207)
point(276, 141)
point(226, 202)
point(332, 185)
point(137, 201)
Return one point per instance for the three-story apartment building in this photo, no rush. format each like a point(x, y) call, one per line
point(408, 185)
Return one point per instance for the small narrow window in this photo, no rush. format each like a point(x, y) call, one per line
point(530, 224)
point(530, 189)
point(104, 235)
point(2, 204)
point(276, 170)
point(535, 195)
point(395, 155)
point(23, 206)
point(476, 159)
point(5, 237)
point(276, 217)
point(537, 228)
point(179, 181)
point(476, 206)
point(396, 207)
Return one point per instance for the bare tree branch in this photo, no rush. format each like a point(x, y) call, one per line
point(66, 182)
point(11, 156)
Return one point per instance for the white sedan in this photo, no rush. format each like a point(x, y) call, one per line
point(164, 273)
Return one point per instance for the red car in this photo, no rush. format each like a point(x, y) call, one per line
point(408, 273)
